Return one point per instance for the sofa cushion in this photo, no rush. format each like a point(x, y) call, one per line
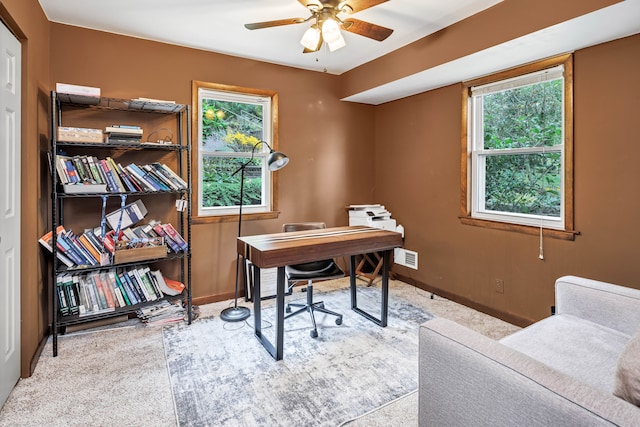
point(578, 348)
point(627, 385)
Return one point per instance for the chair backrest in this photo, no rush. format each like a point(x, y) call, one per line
point(315, 270)
point(299, 226)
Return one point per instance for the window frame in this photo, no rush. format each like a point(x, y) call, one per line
point(269, 209)
point(469, 215)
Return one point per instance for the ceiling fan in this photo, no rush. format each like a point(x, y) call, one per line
point(327, 23)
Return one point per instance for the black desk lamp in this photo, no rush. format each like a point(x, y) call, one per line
point(275, 161)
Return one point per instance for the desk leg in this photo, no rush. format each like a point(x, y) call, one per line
point(257, 313)
point(275, 351)
point(352, 281)
point(384, 306)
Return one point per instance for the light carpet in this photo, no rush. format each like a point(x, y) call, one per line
point(222, 376)
point(119, 376)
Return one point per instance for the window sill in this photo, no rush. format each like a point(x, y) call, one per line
point(525, 229)
point(234, 218)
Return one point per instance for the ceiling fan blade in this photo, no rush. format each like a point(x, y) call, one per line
point(358, 5)
point(367, 29)
point(314, 3)
point(279, 22)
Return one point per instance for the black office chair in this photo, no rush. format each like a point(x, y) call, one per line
point(311, 272)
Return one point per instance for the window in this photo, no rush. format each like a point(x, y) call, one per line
point(518, 147)
point(232, 123)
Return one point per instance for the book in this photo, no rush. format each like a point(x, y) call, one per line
point(63, 305)
point(46, 242)
point(139, 174)
point(140, 288)
point(95, 173)
point(173, 245)
point(123, 130)
point(72, 89)
point(71, 134)
point(168, 286)
point(113, 167)
point(139, 296)
point(132, 213)
point(111, 182)
point(175, 236)
point(80, 188)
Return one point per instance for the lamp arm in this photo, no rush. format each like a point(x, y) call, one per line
point(253, 153)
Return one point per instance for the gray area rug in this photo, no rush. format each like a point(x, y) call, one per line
point(222, 376)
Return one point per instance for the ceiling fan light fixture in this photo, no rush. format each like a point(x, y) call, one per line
point(311, 37)
point(331, 30)
point(337, 44)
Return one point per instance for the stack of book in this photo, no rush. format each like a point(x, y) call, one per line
point(123, 134)
point(162, 313)
point(96, 292)
point(89, 174)
point(90, 249)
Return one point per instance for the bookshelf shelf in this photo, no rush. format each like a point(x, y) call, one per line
point(157, 172)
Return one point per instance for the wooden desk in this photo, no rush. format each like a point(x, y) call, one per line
point(281, 249)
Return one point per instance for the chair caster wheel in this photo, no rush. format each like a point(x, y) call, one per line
point(314, 334)
point(287, 309)
point(339, 321)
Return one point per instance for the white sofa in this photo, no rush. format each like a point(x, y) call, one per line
point(560, 371)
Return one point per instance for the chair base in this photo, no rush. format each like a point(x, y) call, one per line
point(311, 307)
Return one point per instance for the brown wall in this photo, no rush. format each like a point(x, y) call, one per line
point(329, 142)
point(418, 179)
point(26, 19)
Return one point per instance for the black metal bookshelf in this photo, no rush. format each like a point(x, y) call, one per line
point(180, 148)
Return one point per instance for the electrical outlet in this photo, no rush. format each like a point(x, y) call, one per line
point(500, 286)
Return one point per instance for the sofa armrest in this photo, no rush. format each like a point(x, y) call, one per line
point(468, 379)
point(610, 305)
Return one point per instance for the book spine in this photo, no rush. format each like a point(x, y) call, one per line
point(172, 244)
point(116, 289)
point(157, 179)
point(71, 295)
point(151, 296)
point(77, 164)
point(71, 171)
point(109, 175)
point(138, 286)
point(101, 296)
point(63, 306)
point(84, 253)
point(95, 172)
point(136, 173)
point(134, 295)
point(91, 291)
point(175, 175)
point(65, 246)
point(175, 236)
point(123, 289)
point(113, 167)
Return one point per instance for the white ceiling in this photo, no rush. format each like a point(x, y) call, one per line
point(218, 26)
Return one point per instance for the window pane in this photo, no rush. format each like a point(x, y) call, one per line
point(524, 184)
point(220, 187)
point(529, 116)
point(231, 126)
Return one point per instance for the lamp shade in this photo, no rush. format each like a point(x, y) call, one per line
point(337, 44)
point(330, 30)
point(277, 160)
point(311, 38)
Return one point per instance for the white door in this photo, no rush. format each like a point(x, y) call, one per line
point(10, 70)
